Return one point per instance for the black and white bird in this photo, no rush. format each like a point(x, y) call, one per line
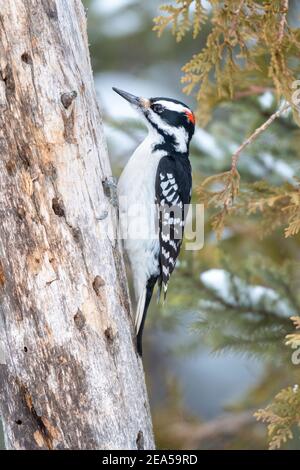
point(157, 177)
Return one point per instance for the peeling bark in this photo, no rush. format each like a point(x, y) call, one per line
point(72, 378)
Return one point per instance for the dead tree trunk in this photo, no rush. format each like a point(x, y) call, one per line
point(71, 378)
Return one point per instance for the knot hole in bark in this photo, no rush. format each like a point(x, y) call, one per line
point(50, 9)
point(11, 167)
point(97, 284)
point(79, 320)
point(68, 98)
point(140, 440)
point(77, 234)
point(26, 58)
point(24, 160)
point(21, 212)
point(9, 81)
point(24, 155)
point(111, 338)
point(109, 334)
point(58, 207)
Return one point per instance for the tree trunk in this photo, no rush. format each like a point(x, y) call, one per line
point(71, 378)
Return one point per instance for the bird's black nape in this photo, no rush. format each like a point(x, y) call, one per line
point(149, 291)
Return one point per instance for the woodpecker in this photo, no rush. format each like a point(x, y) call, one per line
point(158, 177)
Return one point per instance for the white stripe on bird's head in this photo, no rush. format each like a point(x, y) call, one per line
point(157, 125)
point(172, 106)
point(171, 121)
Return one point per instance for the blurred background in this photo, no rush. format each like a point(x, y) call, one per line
point(214, 353)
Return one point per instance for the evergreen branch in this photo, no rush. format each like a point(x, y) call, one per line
point(251, 91)
point(283, 413)
point(236, 14)
point(192, 435)
point(283, 22)
point(256, 133)
point(263, 312)
point(231, 180)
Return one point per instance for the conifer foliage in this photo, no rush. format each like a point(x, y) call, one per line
point(247, 49)
point(251, 48)
point(284, 412)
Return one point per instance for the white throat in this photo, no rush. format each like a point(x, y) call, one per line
point(179, 134)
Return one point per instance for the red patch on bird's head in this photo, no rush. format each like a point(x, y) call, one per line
point(190, 116)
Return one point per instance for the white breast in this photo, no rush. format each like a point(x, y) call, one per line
point(136, 191)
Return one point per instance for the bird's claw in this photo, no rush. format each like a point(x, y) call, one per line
point(110, 190)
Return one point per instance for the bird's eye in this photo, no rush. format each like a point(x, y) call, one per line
point(158, 108)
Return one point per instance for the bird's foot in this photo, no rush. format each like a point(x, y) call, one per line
point(110, 190)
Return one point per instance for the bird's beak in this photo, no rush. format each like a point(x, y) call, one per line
point(132, 99)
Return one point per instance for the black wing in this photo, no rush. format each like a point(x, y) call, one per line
point(173, 194)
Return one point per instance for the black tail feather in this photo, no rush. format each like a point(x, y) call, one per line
point(149, 291)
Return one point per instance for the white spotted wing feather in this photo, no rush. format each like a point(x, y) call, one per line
point(173, 189)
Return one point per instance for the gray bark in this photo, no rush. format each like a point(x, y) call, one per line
point(71, 378)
